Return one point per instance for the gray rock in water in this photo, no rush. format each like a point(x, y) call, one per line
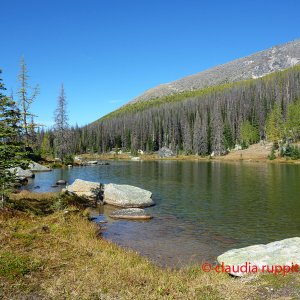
point(136, 158)
point(21, 173)
point(92, 162)
point(127, 196)
point(103, 163)
point(61, 182)
point(85, 188)
point(35, 167)
point(165, 152)
point(279, 253)
point(131, 214)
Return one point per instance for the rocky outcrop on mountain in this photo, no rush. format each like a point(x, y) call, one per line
point(254, 66)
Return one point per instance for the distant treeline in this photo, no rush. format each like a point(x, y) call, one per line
point(200, 122)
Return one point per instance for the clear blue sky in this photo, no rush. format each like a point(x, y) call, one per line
point(109, 51)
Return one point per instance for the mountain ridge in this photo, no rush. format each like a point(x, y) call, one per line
point(253, 66)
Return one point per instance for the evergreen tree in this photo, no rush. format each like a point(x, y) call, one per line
point(228, 139)
point(197, 134)
point(45, 145)
point(200, 145)
point(293, 120)
point(187, 137)
point(26, 97)
point(61, 127)
point(11, 150)
point(248, 134)
point(217, 140)
point(275, 124)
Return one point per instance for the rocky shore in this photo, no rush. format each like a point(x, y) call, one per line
point(125, 196)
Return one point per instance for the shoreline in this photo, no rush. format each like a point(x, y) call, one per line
point(58, 254)
point(51, 255)
point(195, 158)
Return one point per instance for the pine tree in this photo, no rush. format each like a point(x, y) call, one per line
point(26, 97)
point(187, 137)
point(45, 145)
point(11, 150)
point(275, 124)
point(61, 127)
point(293, 120)
point(248, 134)
point(217, 126)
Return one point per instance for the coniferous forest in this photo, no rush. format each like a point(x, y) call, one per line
point(198, 122)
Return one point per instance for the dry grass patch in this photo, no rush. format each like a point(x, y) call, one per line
point(61, 256)
point(68, 261)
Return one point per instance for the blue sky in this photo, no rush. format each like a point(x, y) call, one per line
point(107, 52)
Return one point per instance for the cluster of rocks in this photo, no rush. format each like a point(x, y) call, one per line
point(165, 152)
point(23, 174)
point(79, 161)
point(125, 196)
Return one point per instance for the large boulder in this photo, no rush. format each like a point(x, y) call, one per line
point(83, 188)
point(282, 253)
point(126, 196)
point(35, 167)
point(21, 173)
point(130, 214)
point(165, 152)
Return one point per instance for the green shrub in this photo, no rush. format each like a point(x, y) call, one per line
point(272, 155)
point(291, 151)
point(68, 159)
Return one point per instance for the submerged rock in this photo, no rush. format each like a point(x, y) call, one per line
point(86, 189)
point(92, 162)
point(35, 167)
point(103, 163)
point(165, 152)
point(131, 214)
point(127, 196)
point(61, 182)
point(280, 253)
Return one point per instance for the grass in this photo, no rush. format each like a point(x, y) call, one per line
point(62, 256)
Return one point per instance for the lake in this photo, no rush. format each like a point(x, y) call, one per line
point(202, 208)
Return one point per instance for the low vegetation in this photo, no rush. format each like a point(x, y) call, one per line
point(61, 255)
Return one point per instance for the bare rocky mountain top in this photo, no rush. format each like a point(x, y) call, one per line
point(256, 65)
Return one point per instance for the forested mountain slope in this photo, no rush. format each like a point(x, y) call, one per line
point(199, 122)
point(254, 66)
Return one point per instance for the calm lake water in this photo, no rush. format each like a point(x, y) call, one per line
point(202, 208)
